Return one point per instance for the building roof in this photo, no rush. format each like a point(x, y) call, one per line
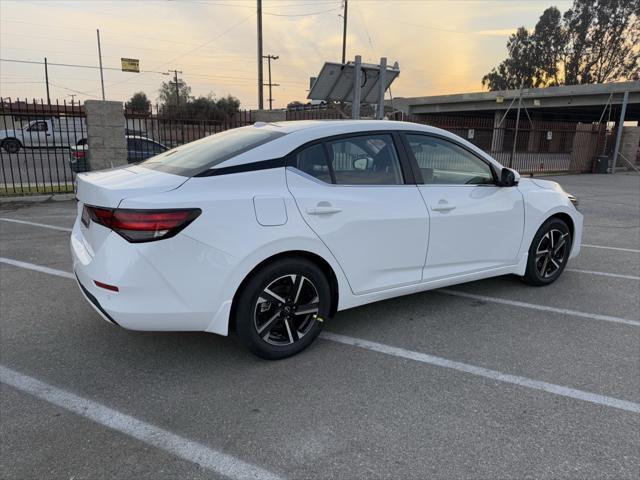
point(569, 98)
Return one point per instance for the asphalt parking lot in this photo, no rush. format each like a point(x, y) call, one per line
point(491, 379)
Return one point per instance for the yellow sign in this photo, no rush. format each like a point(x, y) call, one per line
point(130, 65)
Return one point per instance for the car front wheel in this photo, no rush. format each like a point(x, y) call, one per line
point(281, 308)
point(548, 253)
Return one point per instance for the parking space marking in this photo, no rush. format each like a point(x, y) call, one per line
point(447, 291)
point(620, 249)
point(544, 308)
point(485, 372)
point(37, 268)
point(604, 274)
point(36, 224)
point(213, 460)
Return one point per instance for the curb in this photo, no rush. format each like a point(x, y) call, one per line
point(58, 197)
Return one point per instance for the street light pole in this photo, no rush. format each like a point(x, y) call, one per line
point(46, 79)
point(100, 60)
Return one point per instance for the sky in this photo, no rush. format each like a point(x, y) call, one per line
point(441, 46)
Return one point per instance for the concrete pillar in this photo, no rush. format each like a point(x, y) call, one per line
point(497, 140)
point(105, 134)
point(268, 116)
point(630, 145)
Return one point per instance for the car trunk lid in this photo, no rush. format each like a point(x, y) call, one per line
point(108, 188)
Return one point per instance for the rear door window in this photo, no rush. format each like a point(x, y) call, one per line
point(365, 160)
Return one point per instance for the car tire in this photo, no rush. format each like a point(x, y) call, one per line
point(548, 253)
point(281, 308)
point(11, 145)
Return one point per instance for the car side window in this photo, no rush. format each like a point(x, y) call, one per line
point(365, 160)
point(443, 162)
point(313, 161)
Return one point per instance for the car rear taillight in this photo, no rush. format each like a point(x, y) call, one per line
point(143, 225)
point(78, 154)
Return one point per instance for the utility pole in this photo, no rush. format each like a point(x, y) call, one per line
point(46, 79)
point(269, 58)
point(260, 79)
point(100, 60)
point(177, 84)
point(344, 31)
point(73, 97)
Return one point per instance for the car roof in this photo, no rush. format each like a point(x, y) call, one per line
point(300, 132)
point(346, 126)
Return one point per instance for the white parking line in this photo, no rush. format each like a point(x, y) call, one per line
point(37, 268)
point(213, 460)
point(604, 274)
point(447, 291)
point(485, 372)
point(633, 250)
point(425, 358)
point(35, 224)
point(544, 308)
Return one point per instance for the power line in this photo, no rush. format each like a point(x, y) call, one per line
point(75, 65)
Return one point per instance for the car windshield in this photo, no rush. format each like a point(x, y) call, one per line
point(196, 157)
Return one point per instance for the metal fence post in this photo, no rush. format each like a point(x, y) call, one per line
point(357, 88)
point(381, 88)
point(623, 112)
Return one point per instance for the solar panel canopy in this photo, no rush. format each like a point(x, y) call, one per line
point(335, 82)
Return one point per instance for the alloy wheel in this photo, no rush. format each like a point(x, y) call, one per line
point(286, 310)
point(551, 253)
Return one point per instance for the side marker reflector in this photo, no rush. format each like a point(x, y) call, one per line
point(112, 288)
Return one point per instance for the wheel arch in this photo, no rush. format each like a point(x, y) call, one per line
point(8, 139)
point(314, 258)
point(566, 218)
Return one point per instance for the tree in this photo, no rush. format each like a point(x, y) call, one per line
point(200, 108)
point(593, 42)
point(208, 108)
point(139, 103)
point(167, 95)
point(602, 40)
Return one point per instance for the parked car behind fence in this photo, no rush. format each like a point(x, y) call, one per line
point(138, 148)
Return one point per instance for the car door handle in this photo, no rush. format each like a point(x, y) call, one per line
point(443, 207)
point(323, 210)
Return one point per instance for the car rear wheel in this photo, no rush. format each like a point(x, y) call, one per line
point(11, 145)
point(281, 309)
point(548, 253)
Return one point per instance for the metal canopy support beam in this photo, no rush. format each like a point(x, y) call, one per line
point(382, 84)
point(623, 112)
point(357, 88)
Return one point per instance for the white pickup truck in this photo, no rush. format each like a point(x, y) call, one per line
point(44, 133)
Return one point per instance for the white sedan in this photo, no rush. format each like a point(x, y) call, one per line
point(271, 229)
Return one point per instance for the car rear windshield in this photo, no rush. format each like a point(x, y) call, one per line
point(196, 157)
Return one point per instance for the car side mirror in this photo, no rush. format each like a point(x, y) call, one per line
point(509, 178)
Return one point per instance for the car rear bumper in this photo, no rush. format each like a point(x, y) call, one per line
point(169, 285)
